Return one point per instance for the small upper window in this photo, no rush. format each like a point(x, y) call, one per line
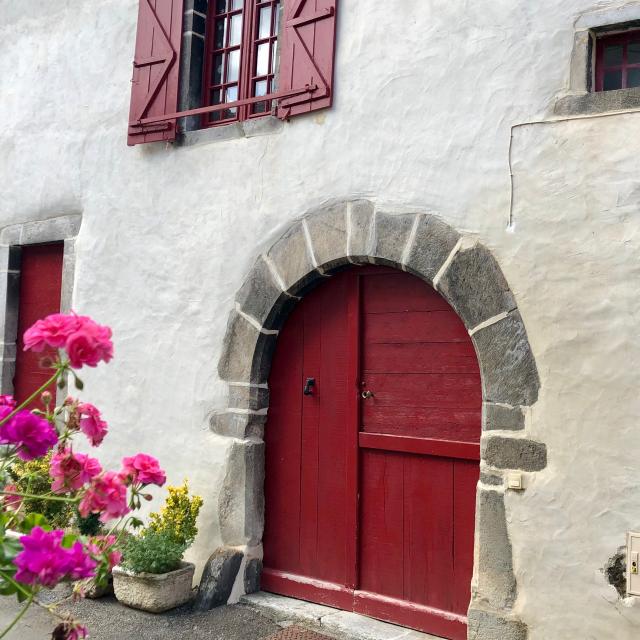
point(241, 56)
point(618, 61)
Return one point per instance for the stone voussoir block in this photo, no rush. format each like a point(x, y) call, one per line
point(291, 258)
point(261, 296)
point(328, 231)
point(490, 625)
point(496, 580)
point(474, 285)
point(361, 230)
point(241, 499)
point(392, 233)
point(514, 453)
point(218, 578)
point(249, 397)
point(252, 573)
point(501, 416)
point(433, 242)
point(246, 354)
point(509, 372)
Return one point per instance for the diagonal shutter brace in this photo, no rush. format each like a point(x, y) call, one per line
point(147, 123)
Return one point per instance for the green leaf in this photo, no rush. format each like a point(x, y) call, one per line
point(68, 540)
point(34, 520)
point(79, 383)
point(136, 523)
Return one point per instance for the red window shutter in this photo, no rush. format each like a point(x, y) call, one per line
point(307, 54)
point(154, 88)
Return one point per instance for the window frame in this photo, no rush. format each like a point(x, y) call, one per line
point(607, 39)
point(247, 70)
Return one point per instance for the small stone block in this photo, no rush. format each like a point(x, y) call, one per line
point(392, 233)
point(514, 453)
point(260, 293)
point(497, 416)
point(361, 230)
point(328, 231)
point(252, 571)
point(218, 578)
point(292, 260)
point(490, 625)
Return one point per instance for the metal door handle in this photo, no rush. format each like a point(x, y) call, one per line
point(308, 386)
point(367, 394)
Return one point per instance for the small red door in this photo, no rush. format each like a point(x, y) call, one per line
point(40, 287)
point(371, 474)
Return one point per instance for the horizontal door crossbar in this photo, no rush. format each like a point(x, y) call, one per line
point(422, 446)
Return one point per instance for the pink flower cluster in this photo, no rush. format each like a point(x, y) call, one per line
point(71, 471)
point(91, 423)
point(106, 495)
point(85, 341)
point(44, 561)
point(31, 434)
point(70, 631)
point(143, 469)
point(103, 546)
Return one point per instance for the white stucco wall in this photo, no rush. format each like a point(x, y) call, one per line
point(426, 95)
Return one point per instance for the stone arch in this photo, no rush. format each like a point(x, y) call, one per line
point(467, 275)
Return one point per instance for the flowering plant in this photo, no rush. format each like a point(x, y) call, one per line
point(34, 554)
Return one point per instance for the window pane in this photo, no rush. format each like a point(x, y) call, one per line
point(221, 6)
point(264, 29)
point(613, 55)
point(262, 61)
point(215, 96)
point(236, 4)
point(633, 78)
point(633, 53)
point(216, 76)
point(277, 22)
point(274, 56)
point(233, 68)
point(236, 30)
point(232, 95)
point(260, 88)
point(612, 80)
point(220, 33)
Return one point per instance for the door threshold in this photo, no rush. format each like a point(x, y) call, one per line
point(342, 625)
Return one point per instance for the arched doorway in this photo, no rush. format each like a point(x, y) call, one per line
point(372, 452)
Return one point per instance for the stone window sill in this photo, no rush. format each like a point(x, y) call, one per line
point(246, 129)
point(597, 102)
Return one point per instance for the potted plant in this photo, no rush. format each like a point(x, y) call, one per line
point(152, 575)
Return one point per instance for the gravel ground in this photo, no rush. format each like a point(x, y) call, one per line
point(108, 620)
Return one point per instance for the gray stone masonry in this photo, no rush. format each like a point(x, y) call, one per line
point(328, 232)
point(474, 285)
point(514, 453)
point(233, 424)
point(251, 398)
point(218, 578)
point(487, 625)
point(496, 581)
point(292, 260)
point(252, 571)
point(241, 499)
point(361, 230)
point(391, 236)
point(598, 102)
point(509, 372)
point(497, 416)
point(433, 242)
point(488, 478)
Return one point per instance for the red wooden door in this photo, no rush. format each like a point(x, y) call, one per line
point(40, 286)
point(370, 480)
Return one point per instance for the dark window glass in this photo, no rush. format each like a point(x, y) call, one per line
point(612, 80)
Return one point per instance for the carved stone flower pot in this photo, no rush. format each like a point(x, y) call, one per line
point(154, 592)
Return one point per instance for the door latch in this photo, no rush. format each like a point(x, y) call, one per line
point(308, 386)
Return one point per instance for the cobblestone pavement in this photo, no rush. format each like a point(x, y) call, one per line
point(108, 620)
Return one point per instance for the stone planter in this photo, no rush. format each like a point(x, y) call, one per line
point(154, 592)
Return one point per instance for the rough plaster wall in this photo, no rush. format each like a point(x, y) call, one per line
point(425, 98)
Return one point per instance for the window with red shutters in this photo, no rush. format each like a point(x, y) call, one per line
point(282, 50)
point(618, 61)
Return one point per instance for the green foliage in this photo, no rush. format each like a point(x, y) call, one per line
point(33, 477)
point(152, 552)
point(177, 518)
point(89, 526)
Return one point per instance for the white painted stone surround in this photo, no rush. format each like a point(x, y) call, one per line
point(427, 99)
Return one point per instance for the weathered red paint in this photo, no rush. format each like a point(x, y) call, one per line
point(370, 503)
point(154, 86)
point(40, 286)
point(628, 64)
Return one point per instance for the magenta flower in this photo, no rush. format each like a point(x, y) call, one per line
point(71, 471)
point(89, 345)
point(33, 435)
point(70, 631)
point(44, 561)
point(143, 469)
point(91, 423)
point(7, 401)
point(85, 341)
point(103, 546)
point(106, 495)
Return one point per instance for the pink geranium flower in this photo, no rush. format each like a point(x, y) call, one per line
point(71, 471)
point(143, 469)
point(70, 631)
point(44, 561)
point(33, 435)
point(7, 401)
point(103, 546)
point(85, 341)
point(11, 502)
point(91, 423)
point(106, 495)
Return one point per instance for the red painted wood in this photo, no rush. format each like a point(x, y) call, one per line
point(383, 520)
point(40, 286)
point(307, 54)
point(421, 446)
point(624, 66)
point(154, 86)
